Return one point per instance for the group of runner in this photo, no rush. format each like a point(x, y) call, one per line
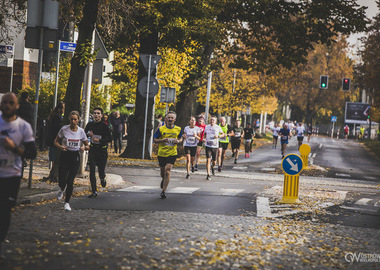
point(214, 137)
point(286, 132)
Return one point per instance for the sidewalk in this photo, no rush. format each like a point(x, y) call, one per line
point(45, 190)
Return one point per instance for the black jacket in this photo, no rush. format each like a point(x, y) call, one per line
point(99, 128)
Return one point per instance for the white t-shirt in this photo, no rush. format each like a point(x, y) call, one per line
point(191, 141)
point(275, 131)
point(210, 133)
point(72, 139)
point(20, 132)
point(300, 131)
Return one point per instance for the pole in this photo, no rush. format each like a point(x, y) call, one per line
point(87, 102)
point(332, 131)
point(233, 84)
point(150, 146)
point(57, 74)
point(261, 122)
point(13, 62)
point(265, 121)
point(38, 82)
point(146, 107)
point(209, 80)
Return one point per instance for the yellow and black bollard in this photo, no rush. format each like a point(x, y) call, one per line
point(305, 150)
point(292, 165)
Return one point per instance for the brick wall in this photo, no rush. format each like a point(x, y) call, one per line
point(24, 74)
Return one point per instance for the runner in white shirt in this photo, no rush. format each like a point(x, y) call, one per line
point(275, 130)
point(300, 134)
point(70, 140)
point(191, 135)
point(16, 142)
point(211, 136)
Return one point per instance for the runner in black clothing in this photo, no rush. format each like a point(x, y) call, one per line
point(249, 133)
point(100, 136)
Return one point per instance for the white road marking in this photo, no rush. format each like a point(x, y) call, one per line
point(263, 208)
point(268, 169)
point(230, 191)
point(138, 188)
point(239, 168)
point(343, 174)
point(377, 204)
point(370, 177)
point(320, 146)
point(363, 201)
point(359, 209)
point(182, 190)
point(314, 154)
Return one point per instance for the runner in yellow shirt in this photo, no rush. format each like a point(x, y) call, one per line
point(167, 137)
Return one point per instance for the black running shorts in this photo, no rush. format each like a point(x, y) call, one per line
point(165, 160)
point(190, 150)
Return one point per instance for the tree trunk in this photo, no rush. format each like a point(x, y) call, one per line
point(86, 28)
point(148, 45)
point(188, 96)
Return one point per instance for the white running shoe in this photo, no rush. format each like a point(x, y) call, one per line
point(60, 194)
point(67, 207)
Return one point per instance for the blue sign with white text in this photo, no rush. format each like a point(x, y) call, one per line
point(292, 164)
point(333, 118)
point(67, 46)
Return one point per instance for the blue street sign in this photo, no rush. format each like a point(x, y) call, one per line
point(333, 118)
point(3, 48)
point(67, 46)
point(292, 164)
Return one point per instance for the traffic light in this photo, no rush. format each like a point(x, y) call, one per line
point(323, 81)
point(346, 84)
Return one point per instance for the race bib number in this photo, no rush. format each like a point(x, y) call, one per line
point(73, 144)
point(237, 134)
point(6, 161)
point(248, 140)
point(190, 140)
point(211, 143)
point(284, 138)
point(170, 142)
point(99, 137)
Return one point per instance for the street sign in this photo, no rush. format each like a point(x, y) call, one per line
point(67, 46)
point(333, 118)
point(153, 86)
point(292, 164)
point(6, 49)
point(145, 61)
point(167, 95)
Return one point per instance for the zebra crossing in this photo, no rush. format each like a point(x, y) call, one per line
point(186, 190)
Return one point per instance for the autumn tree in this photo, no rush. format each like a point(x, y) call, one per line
point(278, 32)
point(306, 99)
point(12, 12)
point(368, 71)
point(234, 90)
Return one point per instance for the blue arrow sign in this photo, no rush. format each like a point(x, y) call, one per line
point(333, 118)
point(292, 164)
point(67, 46)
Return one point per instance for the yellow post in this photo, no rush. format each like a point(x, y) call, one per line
point(291, 188)
point(305, 150)
point(292, 165)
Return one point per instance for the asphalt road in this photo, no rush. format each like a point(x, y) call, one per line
point(342, 159)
